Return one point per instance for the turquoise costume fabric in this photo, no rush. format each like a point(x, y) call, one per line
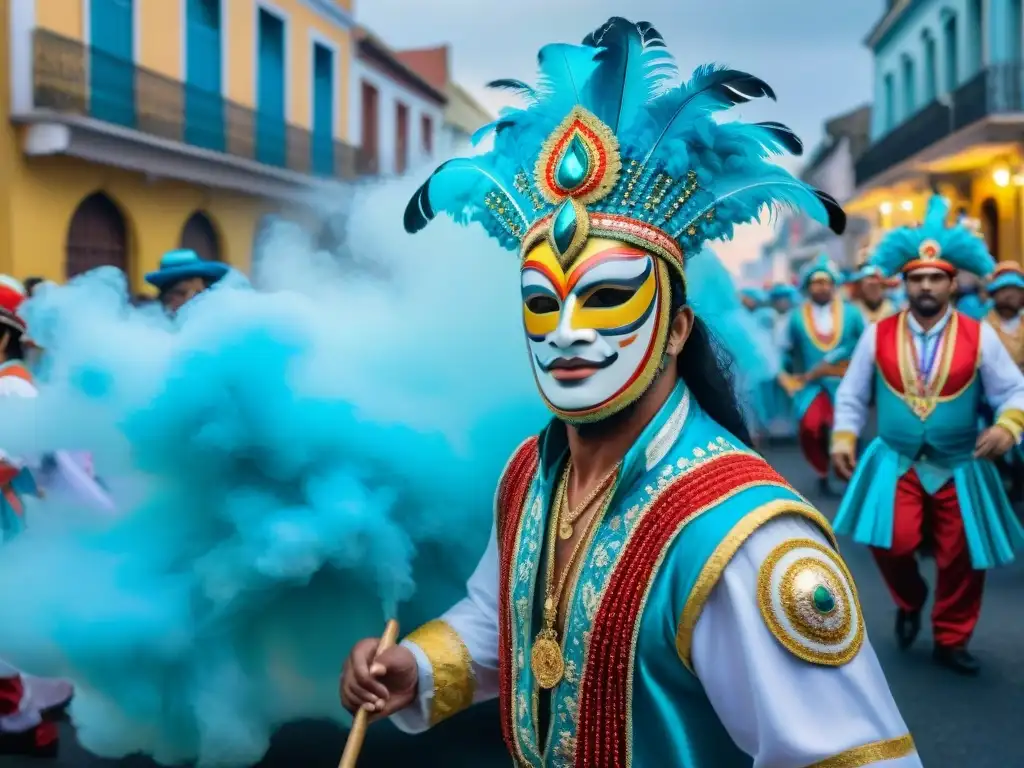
point(673, 723)
point(807, 352)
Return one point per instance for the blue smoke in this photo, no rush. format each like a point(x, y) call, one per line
point(291, 465)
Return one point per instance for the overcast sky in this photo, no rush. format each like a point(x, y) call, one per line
point(810, 51)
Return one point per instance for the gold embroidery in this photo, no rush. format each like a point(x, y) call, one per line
point(724, 553)
point(924, 406)
point(452, 668)
point(810, 603)
point(647, 589)
point(838, 319)
point(869, 754)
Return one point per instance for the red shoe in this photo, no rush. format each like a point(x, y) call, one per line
point(42, 741)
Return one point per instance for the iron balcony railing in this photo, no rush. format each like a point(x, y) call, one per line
point(996, 90)
point(74, 78)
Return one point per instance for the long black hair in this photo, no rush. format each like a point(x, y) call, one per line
point(13, 349)
point(707, 369)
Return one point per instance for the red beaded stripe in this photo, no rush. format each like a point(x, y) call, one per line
point(604, 706)
point(513, 490)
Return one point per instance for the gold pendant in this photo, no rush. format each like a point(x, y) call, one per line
point(564, 530)
point(546, 660)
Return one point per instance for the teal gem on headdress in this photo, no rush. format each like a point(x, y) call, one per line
point(563, 228)
point(573, 166)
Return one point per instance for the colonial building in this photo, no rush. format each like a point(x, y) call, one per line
point(133, 127)
point(948, 116)
point(831, 168)
point(397, 112)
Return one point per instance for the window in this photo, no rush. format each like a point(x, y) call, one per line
point(371, 128)
point(401, 137)
point(323, 110)
point(427, 131)
point(889, 114)
point(930, 76)
point(909, 87)
point(949, 34)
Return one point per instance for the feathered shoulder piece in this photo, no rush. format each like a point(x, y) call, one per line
point(609, 143)
point(934, 245)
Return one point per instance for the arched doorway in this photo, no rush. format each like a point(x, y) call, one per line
point(990, 225)
point(97, 237)
point(200, 235)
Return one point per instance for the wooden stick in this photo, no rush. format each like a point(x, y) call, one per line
point(354, 743)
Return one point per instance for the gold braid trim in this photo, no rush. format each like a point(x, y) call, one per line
point(869, 754)
point(1012, 420)
point(723, 554)
point(844, 442)
point(452, 667)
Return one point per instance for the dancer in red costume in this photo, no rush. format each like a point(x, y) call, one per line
point(25, 701)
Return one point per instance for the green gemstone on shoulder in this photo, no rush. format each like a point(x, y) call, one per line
point(824, 601)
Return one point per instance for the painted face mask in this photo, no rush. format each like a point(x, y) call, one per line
point(597, 331)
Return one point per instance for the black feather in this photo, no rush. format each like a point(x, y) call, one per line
point(741, 87)
point(418, 212)
point(511, 84)
point(785, 136)
point(594, 38)
point(836, 214)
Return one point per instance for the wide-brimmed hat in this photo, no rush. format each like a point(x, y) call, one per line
point(12, 295)
point(185, 264)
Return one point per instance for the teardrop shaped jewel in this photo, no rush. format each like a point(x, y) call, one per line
point(573, 166)
point(563, 228)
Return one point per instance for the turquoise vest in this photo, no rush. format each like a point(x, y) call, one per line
point(671, 721)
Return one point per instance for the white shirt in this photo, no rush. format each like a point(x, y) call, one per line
point(1001, 379)
point(1010, 325)
point(821, 319)
point(768, 700)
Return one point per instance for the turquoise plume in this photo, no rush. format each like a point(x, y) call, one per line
point(624, 74)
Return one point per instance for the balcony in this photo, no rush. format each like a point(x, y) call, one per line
point(997, 90)
point(94, 93)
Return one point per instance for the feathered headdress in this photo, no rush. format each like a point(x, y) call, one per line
point(868, 270)
point(823, 265)
point(12, 294)
point(611, 145)
point(933, 245)
point(1007, 274)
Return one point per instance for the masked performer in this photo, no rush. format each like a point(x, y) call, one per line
point(817, 346)
point(24, 701)
point(637, 541)
point(870, 298)
point(931, 369)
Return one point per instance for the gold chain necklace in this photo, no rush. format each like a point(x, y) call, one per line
point(546, 659)
point(566, 518)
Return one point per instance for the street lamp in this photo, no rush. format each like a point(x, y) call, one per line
point(907, 205)
point(1001, 176)
point(885, 208)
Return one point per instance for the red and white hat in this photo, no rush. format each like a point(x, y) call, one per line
point(12, 294)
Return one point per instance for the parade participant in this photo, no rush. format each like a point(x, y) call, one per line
point(1006, 287)
point(182, 276)
point(753, 298)
point(24, 701)
point(818, 343)
point(870, 296)
point(637, 541)
point(783, 297)
point(930, 368)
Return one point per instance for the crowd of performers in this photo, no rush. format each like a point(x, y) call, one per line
point(653, 592)
point(941, 371)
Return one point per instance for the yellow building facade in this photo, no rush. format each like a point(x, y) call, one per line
point(116, 155)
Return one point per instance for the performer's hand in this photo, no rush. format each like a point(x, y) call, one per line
point(382, 685)
point(993, 443)
point(844, 463)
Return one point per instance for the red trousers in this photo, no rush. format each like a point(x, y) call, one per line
point(815, 433)
point(11, 692)
point(958, 587)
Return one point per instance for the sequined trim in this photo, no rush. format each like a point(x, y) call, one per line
point(869, 754)
point(662, 442)
point(828, 632)
point(451, 666)
point(722, 556)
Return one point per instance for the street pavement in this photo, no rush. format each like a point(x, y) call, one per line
point(957, 722)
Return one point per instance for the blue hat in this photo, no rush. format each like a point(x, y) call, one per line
point(934, 245)
point(822, 265)
point(182, 265)
point(1008, 274)
point(868, 270)
point(756, 295)
point(780, 291)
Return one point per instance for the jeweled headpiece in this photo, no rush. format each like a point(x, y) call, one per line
point(611, 145)
point(933, 245)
